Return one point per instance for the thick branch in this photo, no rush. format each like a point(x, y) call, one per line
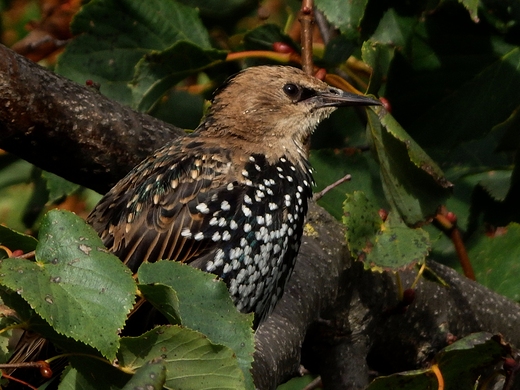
point(77, 133)
point(71, 130)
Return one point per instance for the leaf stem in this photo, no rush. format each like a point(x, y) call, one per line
point(399, 284)
point(280, 57)
point(101, 359)
point(14, 326)
point(450, 228)
point(12, 378)
point(438, 374)
point(419, 274)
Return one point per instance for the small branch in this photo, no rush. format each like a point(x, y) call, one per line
point(306, 19)
point(449, 226)
point(43, 115)
point(319, 195)
point(456, 238)
point(12, 378)
point(28, 255)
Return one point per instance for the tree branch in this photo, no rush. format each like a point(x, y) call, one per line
point(306, 18)
point(332, 304)
point(71, 130)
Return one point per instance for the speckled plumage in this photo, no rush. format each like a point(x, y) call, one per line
point(231, 197)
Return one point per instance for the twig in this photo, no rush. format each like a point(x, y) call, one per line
point(27, 255)
point(306, 19)
point(319, 195)
point(12, 378)
point(451, 229)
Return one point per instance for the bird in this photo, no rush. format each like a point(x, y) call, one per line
point(231, 197)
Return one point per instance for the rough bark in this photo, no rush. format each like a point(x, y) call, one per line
point(100, 139)
point(332, 304)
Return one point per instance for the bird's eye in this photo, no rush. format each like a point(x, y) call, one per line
point(291, 90)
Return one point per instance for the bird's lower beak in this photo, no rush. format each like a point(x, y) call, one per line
point(335, 97)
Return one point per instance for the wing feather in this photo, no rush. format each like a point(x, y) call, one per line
point(147, 219)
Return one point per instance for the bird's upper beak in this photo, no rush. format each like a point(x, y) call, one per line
point(335, 97)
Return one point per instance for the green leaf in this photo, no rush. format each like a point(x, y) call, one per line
point(87, 373)
point(460, 364)
point(398, 246)
point(297, 383)
point(191, 360)
point(388, 245)
point(496, 183)
point(217, 9)
point(471, 76)
point(13, 201)
point(345, 15)
point(394, 29)
point(157, 72)
point(180, 108)
point(263, 37)
point(205, 305)
point(511, 136)
point(5, 337)
point(414, 185)
point(468, 118)
point(472, 7)
point(13, 171)
point(151, 376)
point(164, 299)
point(337, 51)
point(463, 361)
point(74, 282)
point(108, 52)
point(58, 187)
point(379, 56)
point(496, 261)
point(15, 240)
point(362, 222)
point(331, 166)
point(408, 380)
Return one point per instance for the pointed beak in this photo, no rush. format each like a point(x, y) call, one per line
point(335, 97)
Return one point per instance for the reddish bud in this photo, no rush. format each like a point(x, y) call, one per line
point(17, 252)
point(45, 369)
point(451, 217)
point(383, 214)
point(510, 364)
point(320, 74)
point(281, 47)
point(386, 104)
point(451, 338)
point(408, 296)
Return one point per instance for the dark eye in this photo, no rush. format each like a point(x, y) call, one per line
point(291, 90)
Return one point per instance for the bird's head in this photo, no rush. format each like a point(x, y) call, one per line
point(276, 106)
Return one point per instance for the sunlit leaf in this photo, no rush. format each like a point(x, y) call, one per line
point(205, 305)
point(191, 360)
point(381, 245)
point(74, 282)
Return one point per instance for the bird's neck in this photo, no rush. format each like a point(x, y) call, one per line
point(247, 142)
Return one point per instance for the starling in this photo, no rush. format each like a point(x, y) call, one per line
point(231, 197)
